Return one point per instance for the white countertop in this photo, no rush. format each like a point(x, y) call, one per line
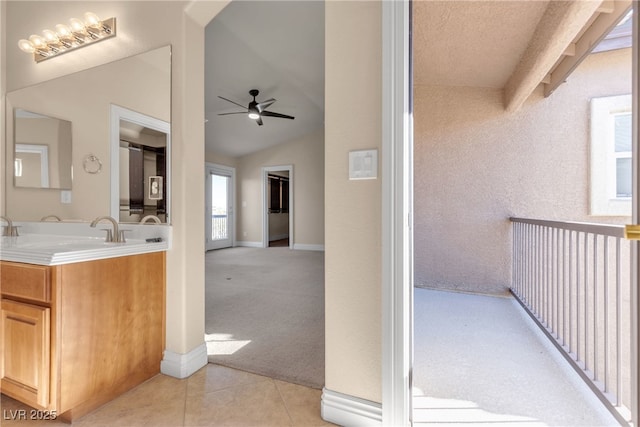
point(63, 243)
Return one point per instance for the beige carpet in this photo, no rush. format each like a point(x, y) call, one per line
point(265, 312)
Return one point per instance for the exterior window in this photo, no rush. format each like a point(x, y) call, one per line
point(611, 166)
point(623, 154)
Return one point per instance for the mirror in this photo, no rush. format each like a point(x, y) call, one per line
point(42, 151)
point(140, 83)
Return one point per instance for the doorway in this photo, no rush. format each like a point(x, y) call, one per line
point(219, 203)
point(277, 209)
point(445, 258)
point(140, 166)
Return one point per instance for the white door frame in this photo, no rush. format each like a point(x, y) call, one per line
point(397, 207)
point(215, 168)
point(265, 202)
point(635, 251)
point(118, 113)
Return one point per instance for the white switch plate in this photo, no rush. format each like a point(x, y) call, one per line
point(65, 196)
point(363, 164)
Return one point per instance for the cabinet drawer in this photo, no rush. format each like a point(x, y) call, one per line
point(25, 281)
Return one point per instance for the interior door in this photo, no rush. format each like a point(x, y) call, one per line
point(219, 223)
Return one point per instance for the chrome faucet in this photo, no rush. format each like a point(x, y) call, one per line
point(117, 236)
point(48, 217)
point(10, 229)
point(150, 218)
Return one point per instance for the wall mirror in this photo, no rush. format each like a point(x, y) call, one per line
point(141, 84)
point(42, 151)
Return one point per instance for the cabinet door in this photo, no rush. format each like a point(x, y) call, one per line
point(24, 352)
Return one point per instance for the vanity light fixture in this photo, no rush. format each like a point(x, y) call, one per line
point(66, 38)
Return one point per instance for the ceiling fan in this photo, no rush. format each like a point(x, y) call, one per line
point(256, 110)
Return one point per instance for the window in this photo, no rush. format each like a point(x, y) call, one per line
point(622, 136)
point(611, 166)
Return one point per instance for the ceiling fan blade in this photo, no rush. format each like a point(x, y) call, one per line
point(272, 114)
point(264, 104)
point(233, 102)
point(259, 121)
point(235, 112)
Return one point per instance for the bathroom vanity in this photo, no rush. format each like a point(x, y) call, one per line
point(81, 323)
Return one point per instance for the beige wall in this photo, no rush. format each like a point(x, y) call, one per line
point(142, 85)
point(352, 208)
point(143, 26)
point(278, 225)
point(212, 157)
point(307, 157)
point(476, 165)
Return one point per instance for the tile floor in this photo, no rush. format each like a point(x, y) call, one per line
point(213, 396)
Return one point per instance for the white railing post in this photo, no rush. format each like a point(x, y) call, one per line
point(556, 278)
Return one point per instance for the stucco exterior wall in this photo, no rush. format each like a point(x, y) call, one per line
point(476, 165)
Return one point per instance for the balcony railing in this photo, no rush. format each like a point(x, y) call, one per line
point(219, 227)
point(574, 280)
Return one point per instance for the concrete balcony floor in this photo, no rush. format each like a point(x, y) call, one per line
point(481, 360)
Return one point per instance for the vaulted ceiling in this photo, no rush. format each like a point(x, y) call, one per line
point(276, 47)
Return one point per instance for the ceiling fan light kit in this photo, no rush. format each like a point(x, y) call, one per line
point(256, 110)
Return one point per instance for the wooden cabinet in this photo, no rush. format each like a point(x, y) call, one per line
point(74, 336)
point(26, 345)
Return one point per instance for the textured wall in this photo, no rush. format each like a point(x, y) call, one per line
point(476, 165)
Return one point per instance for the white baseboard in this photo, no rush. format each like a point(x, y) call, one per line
point(247, 244)
point(346, 410)
point(278, 237)
point(305, 247)
point(184, 365)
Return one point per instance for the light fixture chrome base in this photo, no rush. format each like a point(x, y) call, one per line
point(107, 30)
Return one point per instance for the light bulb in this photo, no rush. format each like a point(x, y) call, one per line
point(26, 46)
point(77, 26)
point(91, 19)
point(63, 31)
point(254, 116)
point(38, 42)
point(50, 36)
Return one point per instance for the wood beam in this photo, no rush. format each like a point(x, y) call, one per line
point(570, 50)
point(560, 24)
point(606, 7)
point(589, 40)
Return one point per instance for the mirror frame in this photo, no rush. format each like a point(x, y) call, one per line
point(118, 113)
